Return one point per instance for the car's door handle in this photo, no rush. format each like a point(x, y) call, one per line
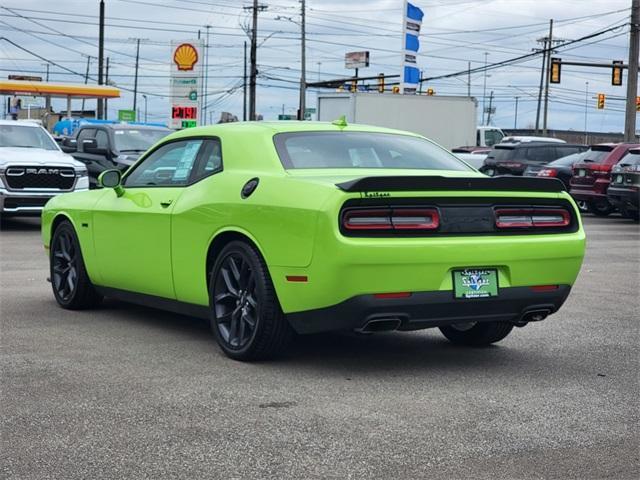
point(166, 203)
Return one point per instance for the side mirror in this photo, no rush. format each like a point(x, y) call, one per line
point(111, 179)
point(69, 145)
point(89, 145)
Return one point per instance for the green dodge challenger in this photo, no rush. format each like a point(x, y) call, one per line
point(271, 229)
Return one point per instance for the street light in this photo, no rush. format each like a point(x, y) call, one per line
point(145, 107)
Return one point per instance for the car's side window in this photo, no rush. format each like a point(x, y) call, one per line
point(171, 165)
point(210, 161)
point(102, 140)
point(84, 134)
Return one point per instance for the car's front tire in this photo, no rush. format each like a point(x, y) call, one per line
point(246, 317)
point(476, 334)
point(70, 282)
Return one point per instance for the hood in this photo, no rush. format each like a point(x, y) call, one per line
point(37, 156)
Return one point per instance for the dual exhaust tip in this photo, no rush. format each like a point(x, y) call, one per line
point(391, 324)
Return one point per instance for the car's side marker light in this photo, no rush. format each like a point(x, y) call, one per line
point(297, 278)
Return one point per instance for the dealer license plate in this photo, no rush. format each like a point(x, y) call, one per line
point(475, 283)
point(582, 173)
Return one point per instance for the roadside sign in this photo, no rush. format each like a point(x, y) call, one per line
point(356, 60)
point(24, 78)
point(126, 115)
point(286, 117)
point(189, 123)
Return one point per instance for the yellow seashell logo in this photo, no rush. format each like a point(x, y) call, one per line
point(185, 56)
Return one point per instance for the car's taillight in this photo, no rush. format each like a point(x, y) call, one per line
point(391, 219)
point(548, 172)
point(532, 217)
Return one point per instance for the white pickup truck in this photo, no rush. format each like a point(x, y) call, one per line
point(33, 169)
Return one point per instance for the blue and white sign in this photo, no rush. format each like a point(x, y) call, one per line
point(412, 23)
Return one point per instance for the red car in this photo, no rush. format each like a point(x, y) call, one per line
point(592, 175)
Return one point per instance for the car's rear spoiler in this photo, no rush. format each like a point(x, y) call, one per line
point(418, 183)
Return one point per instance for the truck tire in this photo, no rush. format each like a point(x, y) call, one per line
point(477, 334)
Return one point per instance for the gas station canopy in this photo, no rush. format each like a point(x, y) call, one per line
point(57, 90)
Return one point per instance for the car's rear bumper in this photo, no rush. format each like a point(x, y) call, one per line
point(428, 309)
point(624, 197)
point(586, 194)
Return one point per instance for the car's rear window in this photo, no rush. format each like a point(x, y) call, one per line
point(500, 154)
point(630, 159)
point(597, 154)
point(299, 150)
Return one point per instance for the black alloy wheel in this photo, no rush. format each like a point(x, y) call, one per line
point(246, 317)
point(70, 282)
point(235, 302)
point(64, 266)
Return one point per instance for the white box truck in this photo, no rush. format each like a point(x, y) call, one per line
point(449, 121)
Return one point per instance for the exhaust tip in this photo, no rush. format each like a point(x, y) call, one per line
point(535, 315)
point(380, 325)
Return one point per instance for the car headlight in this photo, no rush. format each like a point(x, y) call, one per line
point(83, 180)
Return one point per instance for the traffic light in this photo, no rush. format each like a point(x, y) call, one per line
point(430, 91)
point(601, 99)
point(556, 70)
point(381, 83)
point(616, 73)
point(637, 104)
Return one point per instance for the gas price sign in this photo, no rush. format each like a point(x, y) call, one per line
point(184, 113)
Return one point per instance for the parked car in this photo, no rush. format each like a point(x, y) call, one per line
point(475, 159)
point(562, 168)
point(624, 190)
point(105, 146)
point(591, 176)
point(514, 158)
point(266, 228)
point(33, 169)
point(528, 139)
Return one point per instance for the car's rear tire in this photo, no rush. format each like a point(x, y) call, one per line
point(631, 214)
point(600, 208)
point(70, 282)
point(477, 334)
point(246, 317)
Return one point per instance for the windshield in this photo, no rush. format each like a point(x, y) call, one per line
point(568, 161)
point(130, 140)
point(25, 137)
point(362, 150)
point(491, 137)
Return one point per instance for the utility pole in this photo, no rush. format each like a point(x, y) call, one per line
point(244, 86)
point(303, 65)
point(106, 101)
point(484, 88)
point(548, 75)
point(206, 76)
point(515, 121)
point(632, 80)
point(100, 56)
point(135, 80)
point(145, 108)
point(47, 75)
point(468, 79)
point(490, 105)
point(86, 80)
point(542, 70)
point(586, 110)
point(253, 54)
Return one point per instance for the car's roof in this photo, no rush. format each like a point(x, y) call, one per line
point(275, 127)
point(122, 126)
point(536, 144)
point(31, 124)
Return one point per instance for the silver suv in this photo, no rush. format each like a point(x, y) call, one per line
point(33, 169)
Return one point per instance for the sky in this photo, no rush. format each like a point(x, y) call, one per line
point(454, 32)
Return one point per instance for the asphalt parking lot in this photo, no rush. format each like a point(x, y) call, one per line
point(130, 392)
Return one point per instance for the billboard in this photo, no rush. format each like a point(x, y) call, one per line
point(356, 60)
point(185, 83)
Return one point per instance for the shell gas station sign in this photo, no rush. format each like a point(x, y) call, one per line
point(186, 83)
